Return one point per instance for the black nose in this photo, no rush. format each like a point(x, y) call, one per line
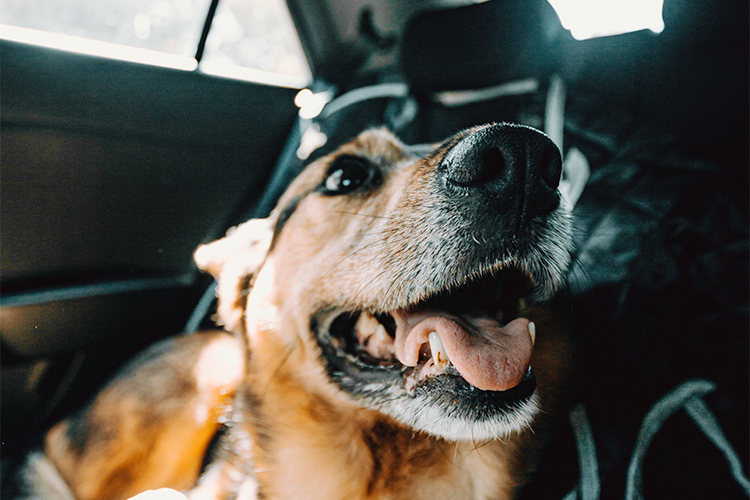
point(511, 168)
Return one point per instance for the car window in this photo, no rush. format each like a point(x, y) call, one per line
point(255, 34)
point(246, 37)
point(172, 26)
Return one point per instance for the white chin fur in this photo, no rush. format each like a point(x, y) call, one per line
point(426, 416)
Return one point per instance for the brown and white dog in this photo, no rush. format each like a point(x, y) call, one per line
point(398, 333)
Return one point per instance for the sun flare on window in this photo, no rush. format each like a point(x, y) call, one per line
point(249, 39)
point(596, 18)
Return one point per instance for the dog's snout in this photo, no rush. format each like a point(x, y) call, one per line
point(509, 166)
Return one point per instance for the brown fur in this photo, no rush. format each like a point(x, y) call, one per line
point(295, 434)
point(152, 425)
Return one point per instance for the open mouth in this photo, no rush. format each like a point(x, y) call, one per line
point(474, 338)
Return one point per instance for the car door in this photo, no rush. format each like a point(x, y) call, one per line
point(113, 171)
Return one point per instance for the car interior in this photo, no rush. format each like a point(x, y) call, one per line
point(115, 171)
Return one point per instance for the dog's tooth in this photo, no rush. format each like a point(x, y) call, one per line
point(381, 334)
point(439, 355)
point(532, 332)
point(367, 325)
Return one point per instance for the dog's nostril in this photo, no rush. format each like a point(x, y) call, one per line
point(493, 164)
point(474, 167)
point(550, 167)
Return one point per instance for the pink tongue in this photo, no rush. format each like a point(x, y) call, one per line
point(488, 356)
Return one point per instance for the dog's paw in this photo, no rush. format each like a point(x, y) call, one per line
point(160, 494)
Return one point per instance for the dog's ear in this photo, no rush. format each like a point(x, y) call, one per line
point(233, 261)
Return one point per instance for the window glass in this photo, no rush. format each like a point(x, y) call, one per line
point(172, 26)
point(254, 34)
point(251, 39)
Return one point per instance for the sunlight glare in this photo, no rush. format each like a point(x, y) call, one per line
point(596, 18)
point(97, 48)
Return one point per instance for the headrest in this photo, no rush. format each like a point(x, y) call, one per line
point(479, 45)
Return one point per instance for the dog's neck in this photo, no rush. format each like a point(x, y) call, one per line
point(314, 445)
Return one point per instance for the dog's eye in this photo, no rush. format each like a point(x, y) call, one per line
point(347, 174)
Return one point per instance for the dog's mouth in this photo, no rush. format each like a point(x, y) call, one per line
point(474, 337)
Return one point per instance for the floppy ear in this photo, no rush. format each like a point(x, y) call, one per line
point(233, 261)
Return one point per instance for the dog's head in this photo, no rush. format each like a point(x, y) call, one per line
point(407, 284)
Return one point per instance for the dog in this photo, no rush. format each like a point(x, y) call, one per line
point(396, 328)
